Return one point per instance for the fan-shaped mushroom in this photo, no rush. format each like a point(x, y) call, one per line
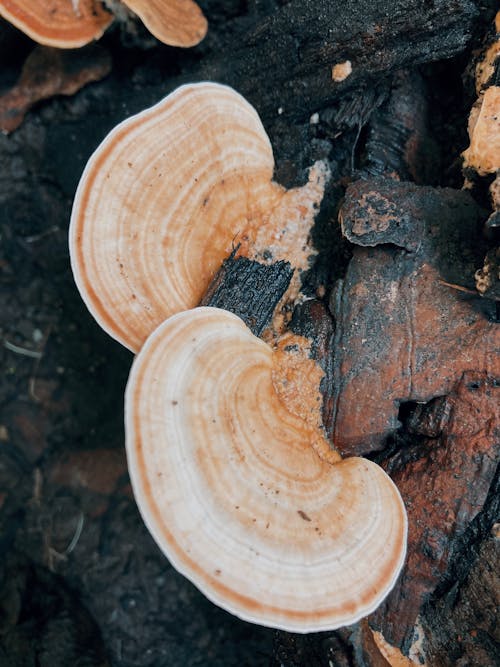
point(165, 198)
point(178, 22)
point(61, 23)
point(230, 484)
point(68, 24)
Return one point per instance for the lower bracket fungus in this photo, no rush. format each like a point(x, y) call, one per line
point(240, 493)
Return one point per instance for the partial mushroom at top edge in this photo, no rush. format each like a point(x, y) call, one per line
point(59, 23)
point(177, 23)
point(69, 24)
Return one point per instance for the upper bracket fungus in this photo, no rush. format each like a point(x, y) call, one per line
point(167, 196)
point(60, 23)
point(245, 497)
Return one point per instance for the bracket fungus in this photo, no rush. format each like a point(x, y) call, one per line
point(236, 489)
point(229, 463)
point(177, 22)
point(60, 23)
point(69, 24)
point(167, 196)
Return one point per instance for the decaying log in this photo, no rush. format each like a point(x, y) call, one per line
point(444, 480)
point(415, 239)
point(282, 56)
point(401, 334)
point(467, 609)
point(399, 139)
point(316, 37)
point(446, 473)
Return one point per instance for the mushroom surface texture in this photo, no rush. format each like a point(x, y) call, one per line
point(61, 23)
point(483, 153)
point(177, 22)
point(165, 199)
point(231, 486)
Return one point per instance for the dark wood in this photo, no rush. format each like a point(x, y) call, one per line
point(249, 289)
point(444, 480)
point(399, 142)
point(298, 43)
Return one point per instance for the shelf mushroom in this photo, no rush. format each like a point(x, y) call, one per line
point(58, 23)
point(238, 492)
point(232, 474)
point(69, 24)
point(167, 196)
point(177, 23)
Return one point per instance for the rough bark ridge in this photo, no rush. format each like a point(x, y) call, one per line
point(249, 289)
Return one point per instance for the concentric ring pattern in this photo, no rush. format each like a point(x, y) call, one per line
point(232, 491)
point(57, 22)
point(162, 202)
point(176, 22)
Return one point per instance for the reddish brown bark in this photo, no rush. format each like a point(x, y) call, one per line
point(403, 335)
point(444, 482)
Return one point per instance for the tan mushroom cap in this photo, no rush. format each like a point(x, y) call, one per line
point(177, 22)
point(59, 23)
point(230, 486)
point(167, 196)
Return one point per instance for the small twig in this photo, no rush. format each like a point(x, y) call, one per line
point(31, 389)
point(37, 237)
point(37, 485)
point(32, 380)
point(57, 555)
point(34, 354)
point(76, 536)
point(459, 288)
